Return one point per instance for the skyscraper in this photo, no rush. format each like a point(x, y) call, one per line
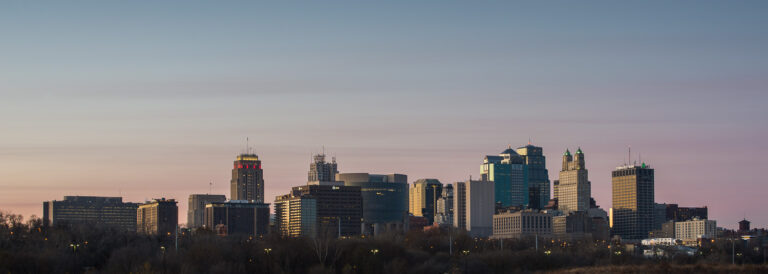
point(319, 210)
point(573, 188)
point(538, 175)
point(633, 201)
point(510, 177)
point(385, 197)
point(196, 209)
point(237, 217)
point(423, 196)
point(322, 171)
point(157, 217)
point(444, 215)
point(247, 179)
point(474, 207)
point(91, 210)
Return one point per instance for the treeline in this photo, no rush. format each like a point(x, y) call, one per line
point(28, 247)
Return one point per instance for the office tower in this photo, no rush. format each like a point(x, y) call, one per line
point(247, 179)
point(322, 171)
point(91, 210)
point(573, 188)
point(444, 215)
point(157, 217)
point(423, 196)
point(659, 215)
point(237, 217)
point(319, 210)
point(538, 175)
point(474, 206)
point(695, 229)
point(521, 224)
point(678, 214)
point(385, 198)
point(510, 177)
point(633, 201)
point(196, 210)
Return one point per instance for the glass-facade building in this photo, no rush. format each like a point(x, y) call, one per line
point(510, 176)
point(91, 210)
point(538, 176)
point(633, 201)
point(385, 197)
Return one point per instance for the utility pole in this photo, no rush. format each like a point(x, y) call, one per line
point(339, 217)
point(537, 241)
point(733, 251)
point(177, 238)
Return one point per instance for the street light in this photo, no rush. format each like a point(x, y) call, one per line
point(74, 247)
point(374, 251)
point(267, 250)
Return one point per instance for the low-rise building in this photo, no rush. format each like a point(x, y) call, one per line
point(695, 229)
point(521, 224)
point(91, 210)
point(157, 217)
point(237, 217)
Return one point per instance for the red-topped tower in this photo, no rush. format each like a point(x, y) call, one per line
point(247, 179)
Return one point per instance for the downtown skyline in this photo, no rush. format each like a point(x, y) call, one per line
point(97, 102)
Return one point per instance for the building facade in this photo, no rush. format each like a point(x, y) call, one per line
point(538, 175)
point(247, 179)
point(510, 176)
point(423, 196)
point(633, 201)
point(573, 188)
point(444, 214)
point(319, 210)
point(677, 213)
point(322, 171)
point(695, 229)
point(237, 217)
point(474, 207)
point(91, 210)
point(196, 208)
point(157, 217)
point(385, 198)
point(521, 224)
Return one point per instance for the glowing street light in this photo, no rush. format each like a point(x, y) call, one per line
point(267, 250)
point(374, 251)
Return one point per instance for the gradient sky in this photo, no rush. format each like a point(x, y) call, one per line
point(145, 99)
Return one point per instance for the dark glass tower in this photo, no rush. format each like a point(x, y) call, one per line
point(247, 179)
point(538, 175)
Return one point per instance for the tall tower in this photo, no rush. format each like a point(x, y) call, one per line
point(573, 188)
point(322, 171)
point(633, 201)
point(510, 176)
point(247, 179)
point(423, 197)
point(538, 175)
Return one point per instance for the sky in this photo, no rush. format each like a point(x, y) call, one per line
point(148, 99)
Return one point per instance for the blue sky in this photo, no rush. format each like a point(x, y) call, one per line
point(146, 99)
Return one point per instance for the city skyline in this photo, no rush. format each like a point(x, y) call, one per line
point(145, 101)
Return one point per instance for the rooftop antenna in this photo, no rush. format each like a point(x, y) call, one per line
point(210, 187)
point(247, 146)
point(629, 156)
point(323, 150)
point(529, 140)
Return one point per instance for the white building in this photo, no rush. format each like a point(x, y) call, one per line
point(695, 229)
point(520, 224)
point(473, 207)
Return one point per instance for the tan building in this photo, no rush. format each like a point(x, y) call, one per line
point(695, 229)
point(473, 207)
point(423, 197)
point(633, 201)
point(573, 189)
point(157, 217)
point(521, 224)
point(196, 208)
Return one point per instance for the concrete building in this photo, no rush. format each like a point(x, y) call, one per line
point(510, 177)
point(385, 199)
point(247, 179)
point(237, 217)
point(423, 197)
point(157, 217)
point(573, 188)
point(91, 210)
point(322, 171)
point(633, 201)
point(319, 210)
point(744, 226)
point(521, 224)
point(538, 175)
point(679, 214)
point(474, 207)
point(196, 208)
point(695, 229)
point(579, 225)
point(444, 214)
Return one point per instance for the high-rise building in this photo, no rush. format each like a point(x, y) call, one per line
point(444, 215)
point(538, 176)
point(573, 187)
point(474, 206)
point(237, 217)
point(322, 171)
point(247, 179)
point(744, 225)
point(157, 217)
point(91, 210)
point(695, 229)
point(319, 210)
point(510, 177)
point(633, 201)
point(521, 224)
point(385, 198)
point(424, 194)
point(196, 211)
